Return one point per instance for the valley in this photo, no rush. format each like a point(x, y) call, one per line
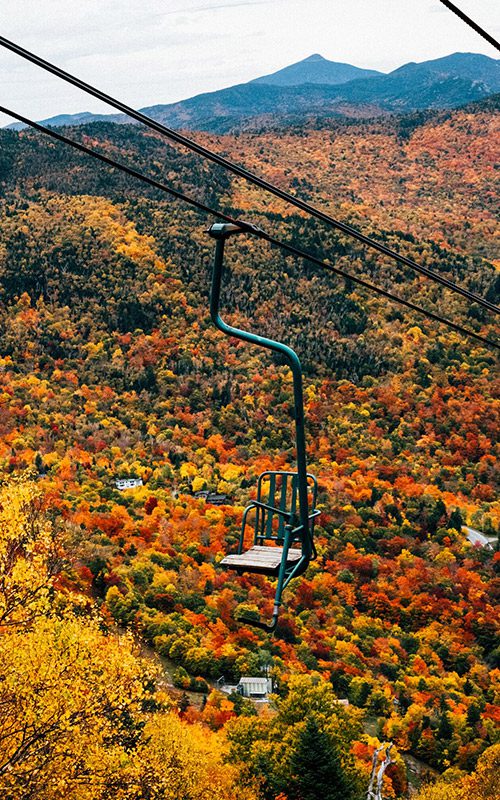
point(110, 368)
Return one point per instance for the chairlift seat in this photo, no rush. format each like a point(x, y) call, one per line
point(275, 513)
point(284, 510)
point(261, 559)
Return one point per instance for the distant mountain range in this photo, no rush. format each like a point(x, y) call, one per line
point(318, 87)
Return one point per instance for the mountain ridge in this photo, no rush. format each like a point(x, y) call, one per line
point(447, 82)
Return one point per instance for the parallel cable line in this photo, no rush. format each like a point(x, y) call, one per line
point(246, 226)
point(452, 7)
point(244, 173)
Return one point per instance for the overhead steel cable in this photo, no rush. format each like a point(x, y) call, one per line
point(244, 173)
point(246, 226)
point(452, 7)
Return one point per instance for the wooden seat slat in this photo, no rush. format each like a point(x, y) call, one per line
point(260, 559)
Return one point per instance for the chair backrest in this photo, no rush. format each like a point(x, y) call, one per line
point(279, 490)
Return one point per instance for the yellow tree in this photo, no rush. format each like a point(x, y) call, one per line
point(28, 554)
point(80, 713)
point(483, 784)
point(185, 761)
point(72, 703)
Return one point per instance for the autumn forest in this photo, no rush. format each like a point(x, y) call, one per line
point(116, 620)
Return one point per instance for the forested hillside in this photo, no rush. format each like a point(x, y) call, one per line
point(110, 367)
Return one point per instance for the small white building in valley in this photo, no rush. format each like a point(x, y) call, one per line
point(127, 483)
point(255, 688)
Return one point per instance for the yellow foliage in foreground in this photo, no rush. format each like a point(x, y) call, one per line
point(27, 554)
point(74, 723)
point(80, 713)
point(483, 784)
point(71, 702)
point(198, 752)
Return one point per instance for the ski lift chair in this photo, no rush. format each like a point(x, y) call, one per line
point(284, 509)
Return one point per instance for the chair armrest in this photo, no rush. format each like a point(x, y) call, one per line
point(243, 526)
point(275, 510)
point(311, 516)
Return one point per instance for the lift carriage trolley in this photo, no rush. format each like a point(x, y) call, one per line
point(284, 510)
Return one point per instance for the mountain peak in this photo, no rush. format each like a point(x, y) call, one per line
point(468, 66)
point(316, 69)
point(314, 57)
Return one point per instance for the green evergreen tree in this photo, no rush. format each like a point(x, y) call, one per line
point(184, 703)
point(437, 516)
point(39, 465)
point(445, 729)
point(473, 715)
point(316, 768)
point(455, 520)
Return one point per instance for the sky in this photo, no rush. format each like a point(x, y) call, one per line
point(160, 51)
